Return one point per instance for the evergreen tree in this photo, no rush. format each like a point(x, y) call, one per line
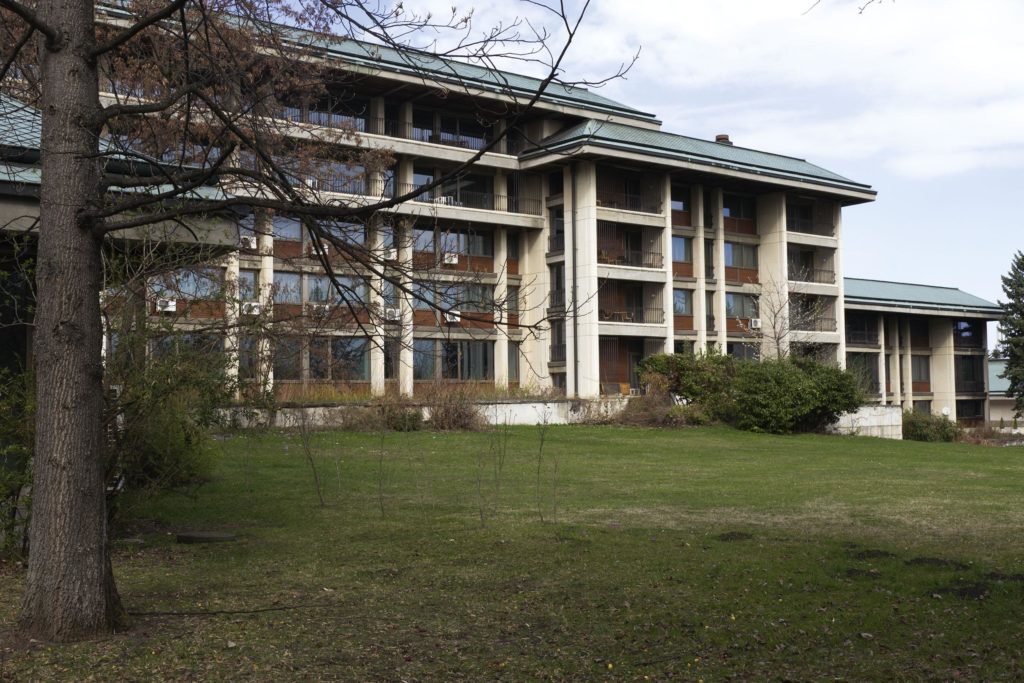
point(1012, 327)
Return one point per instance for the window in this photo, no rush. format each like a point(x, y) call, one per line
point(349, 359)
point(467, 360)
point(513, 361)
point(970, 410)
point(682, 249)
point(287, 288)
point(743, 351)
point(320, 289)
point(466, 242)
point(392, 357)
point(286, 228)
point(923, 407)
point(920, 369)
point(189, 283)
point(248, 285)
point(512, 300)
point(512, 245)
point(740, 255)
point(422, 296)
point(287, 358)
point(680, 198)
point(423, 240)
point(968, 333)
point(351, 233)
point(248, 357)
point(388, 293)
point(682, 302)
point(476, 298)
point(556, 272)
point(423, 359)
point(683, 346)
point(740, 305)
point(739, 206)
point(709, 258)
point(354, 289)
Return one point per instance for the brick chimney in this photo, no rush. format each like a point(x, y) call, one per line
point(723, 139)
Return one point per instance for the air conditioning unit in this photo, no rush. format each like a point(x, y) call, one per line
point(251, 308)
point(390, 254)
point(166, 305)
point(447, 200)
point(311, 183)
point(247, 241)
point(452, 316)
point(318, 309)
point(755, 323)
point(392, 314)
point(450, 259)
point(324, 245)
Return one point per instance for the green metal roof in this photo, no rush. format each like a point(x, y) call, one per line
point(670, 145)
point(997, 386)
point(420, 64)
point(906, 295)
point(20, 124)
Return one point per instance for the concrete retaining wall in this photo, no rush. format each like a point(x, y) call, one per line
point(885, 422)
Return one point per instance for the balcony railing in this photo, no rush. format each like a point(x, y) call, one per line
point(825, 276)
point(628, 202)
point(558, 353)
point(646, 316)
point(556, 243)
point(862, 337)
point(810, 227)
point(970, 386)
point(476, 200)
point(556, 298)
point(637, 258)
point(819, 324)
point(972, 342)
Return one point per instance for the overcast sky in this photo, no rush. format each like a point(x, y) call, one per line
point(922, 99)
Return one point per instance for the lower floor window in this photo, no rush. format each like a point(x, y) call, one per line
point(341, 359)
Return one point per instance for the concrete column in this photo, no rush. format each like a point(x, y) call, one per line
point(403, 238)
point(718, 230)
point(500, 295)
point(669, 279)
point(500, 191)
point(231, 313)
point(894, 361)
point(582, 370)
point(376, 328)
point(908, 386)
point(773, 274)
point(265, 244)
point(377, 111)
point(533, 304)
point(882, 369)
point(700, 311)
point(943, 366)
point(840, 300)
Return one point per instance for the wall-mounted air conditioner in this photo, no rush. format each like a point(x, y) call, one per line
point(392, 314)
point(251, 308)
point(452, 316)
point(447, 200)
point(247, 241)
point(166, 306)
point(390, 254)
point(450, 259)
point(755, 323)
point(318, 309)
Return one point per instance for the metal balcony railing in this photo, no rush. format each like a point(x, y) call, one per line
point(970, 386)
point(475, 200)
point(646, 316)
point(864, 337)
point(798, 273)
point(556, 298)
point(558, 353)
point(972, 342)
point(637, 258)
point(818, 324)
point(628, 202)
point(556, 243)
point(810, 227)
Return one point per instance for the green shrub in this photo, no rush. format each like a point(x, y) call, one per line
point(919, 426)
point(689, 415)
point(453, 408)
point(772, 396)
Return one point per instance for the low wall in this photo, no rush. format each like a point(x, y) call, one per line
point(556, 412)
point(885, 422)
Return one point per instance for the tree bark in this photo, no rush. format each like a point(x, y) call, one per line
point(70, 591)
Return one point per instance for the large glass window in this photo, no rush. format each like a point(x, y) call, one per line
point(680, 198)
point(422, 295)
point(423, 359)
point(512, 300)
point(248, 357)
point(682, 302)
point(740, 255)
point(352, 233)
point(513, 361)
point(287, 228)
point(287, 288)
point(423, 240)
point(739, 206)
point(682, 249)
point(740, 305)
point(189, 283)
point(248, 285)
point(467, 360)
point(920, 369)
point(287, 358)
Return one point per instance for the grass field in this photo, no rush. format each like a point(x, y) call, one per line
point(628, 554)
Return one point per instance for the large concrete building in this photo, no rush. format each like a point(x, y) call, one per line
point(585, 240)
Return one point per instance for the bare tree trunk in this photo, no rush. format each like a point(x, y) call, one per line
point(70, 591)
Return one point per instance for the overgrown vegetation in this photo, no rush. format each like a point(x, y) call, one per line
point(17, 431)
point(704, 553)
point(922, 426)
point(778, 396)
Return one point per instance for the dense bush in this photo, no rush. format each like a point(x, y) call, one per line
point(453, 408)
point(777, 396)
point(918, 426)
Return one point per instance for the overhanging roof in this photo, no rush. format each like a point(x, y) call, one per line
point(924, 299)
point(671, 146)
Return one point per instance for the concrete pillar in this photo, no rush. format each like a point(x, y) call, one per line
point(376, 302)
point(718, 230)
point(265, 244)
point(500, 191)
point(231, 313)
point(943, 366)
point(882, 369)
point(403, 238)
point(700, 311)
point(582, 336)
point(669, 279)
point(841, 300)
point(773, 274)
point(894, 361)
point(377, 112)
point(500, 296)
point(908, 386)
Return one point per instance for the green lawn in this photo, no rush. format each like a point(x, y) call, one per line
point(694, 554)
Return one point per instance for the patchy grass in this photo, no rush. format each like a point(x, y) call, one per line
point(693, 554)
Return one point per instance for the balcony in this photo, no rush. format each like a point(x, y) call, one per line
point(862, 337)
point(557, 353)
point(619, 245)
point(487, 201)
point(970, 386)
point(809, 226)
point(823, 276)
point(817, 324)
point(556, 299)
point(556, 243)
point(628, 202)
point(637, 258)
point(643, 316)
